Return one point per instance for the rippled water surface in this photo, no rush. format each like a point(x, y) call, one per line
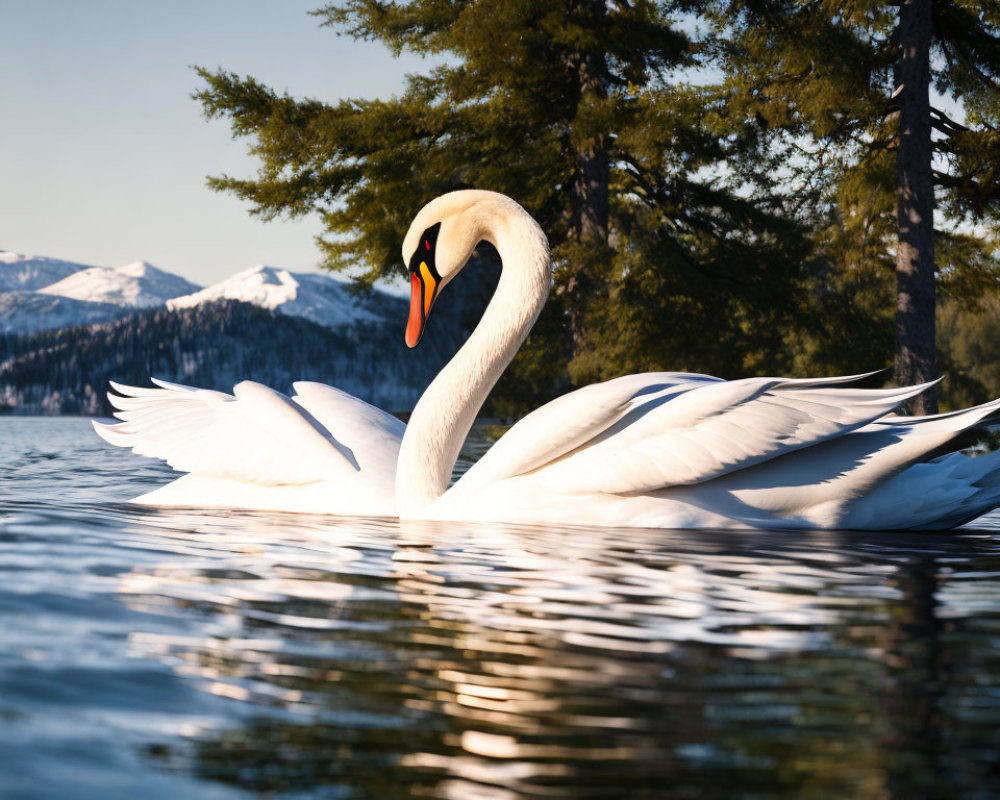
point(146, 654)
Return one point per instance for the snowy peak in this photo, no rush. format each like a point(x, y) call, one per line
point(263, 286)
point(137, 285)
point(38, 293)
point(43, 293)
point(313, 296)
point(138, 269)
point(20, 273)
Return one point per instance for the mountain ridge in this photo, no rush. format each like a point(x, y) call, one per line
point(86, 294)
point(136, 285)
point(265, 324)
point(314, 296)
point(25, 273)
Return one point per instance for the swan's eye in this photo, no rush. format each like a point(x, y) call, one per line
point(429, 239)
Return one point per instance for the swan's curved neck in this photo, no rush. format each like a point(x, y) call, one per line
point(448, 407)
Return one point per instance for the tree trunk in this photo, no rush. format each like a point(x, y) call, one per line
point(915, 207)
point(590, 224)
point(590, 188)
point(591, 191)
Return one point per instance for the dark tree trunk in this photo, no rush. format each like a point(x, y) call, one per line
point(590, 188)
point(591, 194)
point(590, 227)
point(915, 207)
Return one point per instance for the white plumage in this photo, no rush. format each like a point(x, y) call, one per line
point(321, 450)
point(654, 450)
point(799, 454)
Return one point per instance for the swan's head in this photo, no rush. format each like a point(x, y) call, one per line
point(441, 239)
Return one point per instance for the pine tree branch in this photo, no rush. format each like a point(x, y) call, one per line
point(892, 105)
point(944, 179)
point(944, 123)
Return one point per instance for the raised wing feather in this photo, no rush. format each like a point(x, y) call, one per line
point(370, 435)
point(715, 429)
point(255, 435)
point(847, 481)
point(646, 432)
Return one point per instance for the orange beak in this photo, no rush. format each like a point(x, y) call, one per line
point(423, 290)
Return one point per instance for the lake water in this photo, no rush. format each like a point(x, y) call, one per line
point(147, 654)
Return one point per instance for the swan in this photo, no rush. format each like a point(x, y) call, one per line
point(659, 450)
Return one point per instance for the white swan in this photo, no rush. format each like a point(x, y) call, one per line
point(668, 450)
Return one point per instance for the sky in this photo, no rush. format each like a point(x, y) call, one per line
point(103, 153)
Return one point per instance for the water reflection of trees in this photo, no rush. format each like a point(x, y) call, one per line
point(943, 702)
point(522, 663)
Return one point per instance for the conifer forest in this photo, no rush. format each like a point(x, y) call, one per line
point(215, 346)
point(734, 187)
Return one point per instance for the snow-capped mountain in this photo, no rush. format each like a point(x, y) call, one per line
point(20, 273)
point(29, 312)
point(263, 324)
point(136, 285)
point(313, 296)
point(38, 293)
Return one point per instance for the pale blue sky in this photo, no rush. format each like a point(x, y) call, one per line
point(103, 154)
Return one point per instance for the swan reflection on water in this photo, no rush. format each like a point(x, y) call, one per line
point(376, 659)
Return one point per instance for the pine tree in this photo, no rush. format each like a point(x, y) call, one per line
point(837, 93)
point(574, 109)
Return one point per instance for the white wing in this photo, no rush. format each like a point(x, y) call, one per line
point(370, 435)
point(676, 430)
point(569, 421)
point(255, 435)
point(876, 476)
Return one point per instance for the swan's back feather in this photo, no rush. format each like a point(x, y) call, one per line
point(840, 482)
point(716, 429)
point(256, 434)
point(939, 494)
point(646, 432)
point(568, 422)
